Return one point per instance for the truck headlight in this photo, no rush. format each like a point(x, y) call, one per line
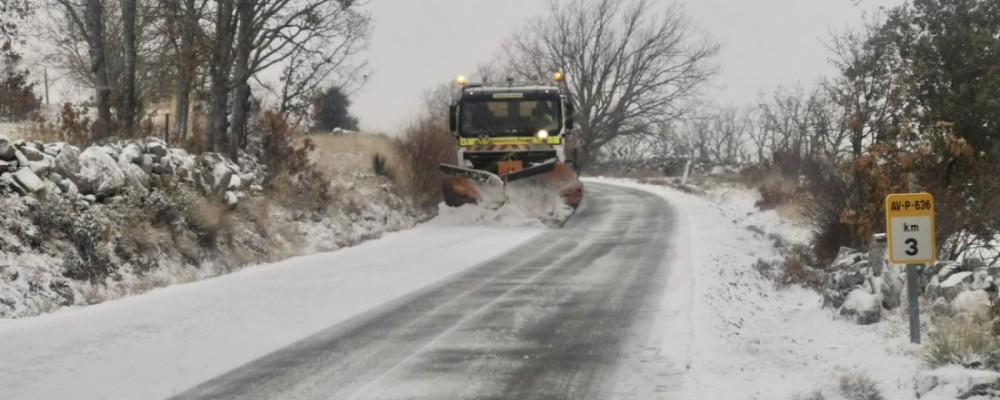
point(542, 134)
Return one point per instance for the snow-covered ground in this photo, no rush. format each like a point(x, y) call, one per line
point(721, 331)
point(740, 337)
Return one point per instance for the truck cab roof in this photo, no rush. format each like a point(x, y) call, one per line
point(479, 92)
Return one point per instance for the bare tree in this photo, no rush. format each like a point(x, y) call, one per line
point(88, 20)
point(868, 89)
point(12, 12)
point(182, 23)
point(253, 35)
point(329, 58)
point(627, 69)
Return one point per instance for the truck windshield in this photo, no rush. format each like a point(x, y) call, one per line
point(510, 118)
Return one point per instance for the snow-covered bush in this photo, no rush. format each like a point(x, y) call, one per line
point(858, 386)
point(964, 341)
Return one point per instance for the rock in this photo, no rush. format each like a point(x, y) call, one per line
point(179, 153)
point(134, 176)
point(161, 169)
point(90, 198)
point(975, 303)
point(40, 167)
point(146, 163)
point(156, 181)
point(256, 189)
point(111, 150)
point(99, 174)
point(69, 188)
point(32, 154)
point(832, 298)
point(28, 181)
point(891, 293)
point(231, 199)
point(158, 149)
point(67, 163)
point(55, 178)
point(21, 158)
point(862, 307)
point(182, 172)
point(846, 256)
point(847, 279)
point(129, 154)
point(956, 382)
point(964, 277)
point(247, 180)
point(213, 173)
point(5, 167)
point(53, 149)
point(235, 183)
point(6, 149)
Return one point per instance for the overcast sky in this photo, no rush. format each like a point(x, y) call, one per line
point(420, 43)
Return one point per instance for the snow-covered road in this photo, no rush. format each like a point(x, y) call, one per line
point(447, 308)
point(552, 318)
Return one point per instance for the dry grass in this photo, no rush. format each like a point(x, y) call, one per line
point(858, 386)
point(208, 219)
point(962, 341)
point(31, 131)
point(337, 154)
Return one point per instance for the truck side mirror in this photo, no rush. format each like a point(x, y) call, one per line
point(453, 119)
point(570, 113)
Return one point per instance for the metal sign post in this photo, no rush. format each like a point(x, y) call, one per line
point(909, 222)
point(913, 301)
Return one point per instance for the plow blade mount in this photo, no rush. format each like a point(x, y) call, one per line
point(530, 172)
point(471, 186)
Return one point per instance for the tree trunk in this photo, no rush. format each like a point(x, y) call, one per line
point(241, 94)
point(98, 65)
point(186, 64)
point(129, 103)
point(218, 139)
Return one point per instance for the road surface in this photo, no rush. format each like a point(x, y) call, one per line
point(550, 319)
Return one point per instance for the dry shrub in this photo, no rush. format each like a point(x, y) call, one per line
point(208, 219)
point(426, 144)
point(379, 166)
point(858, 386)
point(75, 126)
point(291, 173)
point(63, 220)
point(45, 132)
point(795, 271)
point(825, 193)
point(961, 341)
point(816, 395)
point(776, 191)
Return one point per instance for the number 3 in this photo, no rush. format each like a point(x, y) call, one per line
point(912, 251)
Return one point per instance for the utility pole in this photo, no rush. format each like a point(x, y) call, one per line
point(46, 75)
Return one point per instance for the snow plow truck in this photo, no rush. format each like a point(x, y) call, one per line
point(512, 149)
